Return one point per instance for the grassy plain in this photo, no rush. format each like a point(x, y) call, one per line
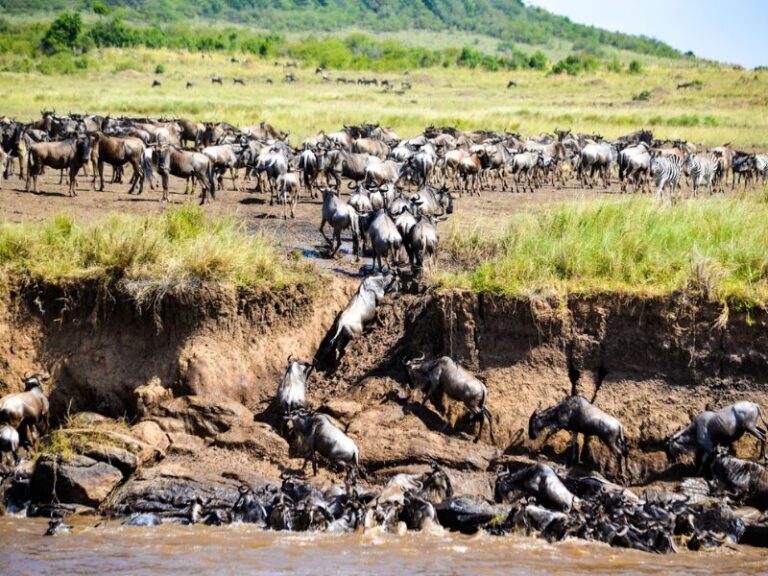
point(714, 247)
point(717, 246)
point(730, 107)
point(179, 245)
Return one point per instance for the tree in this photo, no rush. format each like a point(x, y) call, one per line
point(100, 8)
point(63, 34)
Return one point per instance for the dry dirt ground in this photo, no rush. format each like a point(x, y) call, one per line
point(487, 211)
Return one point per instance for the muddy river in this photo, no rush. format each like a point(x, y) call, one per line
point(238, 549)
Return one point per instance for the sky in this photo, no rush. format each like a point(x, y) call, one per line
point(733, 31)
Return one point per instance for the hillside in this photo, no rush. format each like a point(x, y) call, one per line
point(508, 20)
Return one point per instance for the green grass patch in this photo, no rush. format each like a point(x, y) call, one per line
point(183, 244)
point(716, 248)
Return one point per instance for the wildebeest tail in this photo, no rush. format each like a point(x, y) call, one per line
point(146, 165)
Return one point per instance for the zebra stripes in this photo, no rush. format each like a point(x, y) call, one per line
point(761, 162)
point(703, 170)
point(666, 170)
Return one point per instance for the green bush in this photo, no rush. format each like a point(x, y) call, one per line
point(635, 67)
point(159, 69)
point(63, 34)
point(575, 64)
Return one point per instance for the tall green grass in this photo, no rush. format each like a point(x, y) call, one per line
point(717, 248)
point(181, 245)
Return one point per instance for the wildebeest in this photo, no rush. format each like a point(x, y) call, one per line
point(596, 158)
point(310, 169)
point(444, 375)
point(740, 479)
point(217, 80)
point(30, 408)
point(188, 165)
point(422, 242)
point(72, 154)
point(340, 216)
point(225, 157)
point(538, 480)
point(238, 81)
point(292, 392)
point(722, 428)
point(360, 311)
point(118, 151)
point(579, 416)
point(288, 192)
point(340, 163)
point(316, 433)
point(9, 443)
point(384, 237)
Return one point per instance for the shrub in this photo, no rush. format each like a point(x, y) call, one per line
point(63, 34)
point(635, 67)
point(159, 69)
point(644, 96)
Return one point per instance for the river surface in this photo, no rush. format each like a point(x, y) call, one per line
point(238, 549)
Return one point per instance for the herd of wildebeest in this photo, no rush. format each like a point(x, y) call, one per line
point(398, 190)
point(540, 498)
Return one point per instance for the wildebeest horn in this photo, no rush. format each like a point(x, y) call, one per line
point(351, 185)
point(26, 376)
point(289, 358)
point(420, 358)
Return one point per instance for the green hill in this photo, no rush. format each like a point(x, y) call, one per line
point(508, 20)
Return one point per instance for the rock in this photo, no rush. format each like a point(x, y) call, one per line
point(150, 396)
point(79, 480)
point(200, 416)
point(342, 410)
point(151, 434)
point(467, 515)
point(168, 490)
point(117, 457)
point(256, 438)
point(400, 439)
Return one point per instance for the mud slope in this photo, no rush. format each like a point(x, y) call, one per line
point(101, 343)
point(663, 360)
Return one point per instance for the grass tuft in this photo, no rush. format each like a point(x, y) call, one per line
point(181, 245)
point(716, 248)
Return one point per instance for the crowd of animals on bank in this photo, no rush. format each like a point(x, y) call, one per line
point(369, 155)
point(551, 500)
point(398, 191)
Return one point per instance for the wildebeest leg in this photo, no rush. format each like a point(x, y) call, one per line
point(101, 175)
point(314, 462)
point(574, 446)
point(72, 183)
point(322, 225)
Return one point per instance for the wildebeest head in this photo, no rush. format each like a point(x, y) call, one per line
point(83, 149)
point(676, 445)
point(535, 424)
point(34, 380)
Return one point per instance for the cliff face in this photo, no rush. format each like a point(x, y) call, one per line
point(652, 364)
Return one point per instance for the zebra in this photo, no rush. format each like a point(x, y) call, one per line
point(761, 163)
point(702, 169)
point(666, 170)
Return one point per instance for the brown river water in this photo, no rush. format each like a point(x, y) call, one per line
point(239, 549)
